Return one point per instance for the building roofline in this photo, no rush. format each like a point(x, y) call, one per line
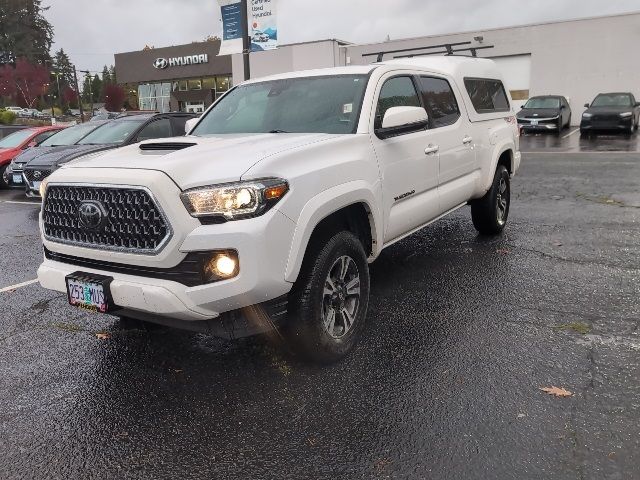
point(506, 27)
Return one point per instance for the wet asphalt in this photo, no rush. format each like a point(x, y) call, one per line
point(462, 333)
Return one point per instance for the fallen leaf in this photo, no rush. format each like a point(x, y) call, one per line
point(521, 415)
point(558, 244)
point(103, 336)
point(312, 441)
point(558, 392)
point(612, 455)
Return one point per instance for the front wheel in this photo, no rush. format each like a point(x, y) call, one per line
point(490, 213)
point(4, 178)
point(328, 303)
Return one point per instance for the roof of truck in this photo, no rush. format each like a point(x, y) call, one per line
point(456, 66)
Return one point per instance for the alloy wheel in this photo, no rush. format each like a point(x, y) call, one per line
point(341, 297)
point(502, 201)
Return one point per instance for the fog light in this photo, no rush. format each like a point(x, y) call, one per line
point(221, 266)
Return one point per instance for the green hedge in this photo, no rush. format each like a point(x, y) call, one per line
point(7, 118)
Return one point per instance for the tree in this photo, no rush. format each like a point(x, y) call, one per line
point(88, 95)
point(106, 77)
point(112, 72)
point(114, 96)
point(96, 87)
point(24, 32)
point(31, 81)
point(70, 97)
point(64, 69)
point(7, 82)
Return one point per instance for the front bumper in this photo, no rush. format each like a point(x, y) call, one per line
point(263, 245)
point(541, 125)
point(611, 123)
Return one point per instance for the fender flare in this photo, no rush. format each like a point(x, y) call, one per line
point(499, 149)
point(320, 207)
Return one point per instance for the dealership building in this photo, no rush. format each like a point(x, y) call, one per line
point(576, 58)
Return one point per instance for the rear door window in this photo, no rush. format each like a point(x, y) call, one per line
point(396, 92)
point(487, 96)
point(440, 101)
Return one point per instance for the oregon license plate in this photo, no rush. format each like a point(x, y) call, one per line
point(17, 179)
point(90, 292)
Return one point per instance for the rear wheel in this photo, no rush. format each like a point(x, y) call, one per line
point(490, 213)
point(328, 303)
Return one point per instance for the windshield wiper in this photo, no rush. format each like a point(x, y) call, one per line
point(278, 131)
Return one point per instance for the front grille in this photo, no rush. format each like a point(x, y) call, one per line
point(35, 175)
point(129, 219)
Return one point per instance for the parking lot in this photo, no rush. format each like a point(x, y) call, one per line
point(462, 333)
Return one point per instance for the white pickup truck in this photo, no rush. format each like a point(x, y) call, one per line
point(267, 214)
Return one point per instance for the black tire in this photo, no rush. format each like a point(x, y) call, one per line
point(569, 122)
point(490, 213)
point(560, 126)
point(3, 182)
point(310, 304)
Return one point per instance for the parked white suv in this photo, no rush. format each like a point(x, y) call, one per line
point(269, 211)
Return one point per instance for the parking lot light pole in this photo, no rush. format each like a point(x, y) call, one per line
point(246, 41)
point(75, 78)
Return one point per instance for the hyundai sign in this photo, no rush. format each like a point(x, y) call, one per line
point(162, 63)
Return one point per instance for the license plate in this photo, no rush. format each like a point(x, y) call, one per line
point(17, 179)
point(36, 186)
point(534, 122)
point(90, 292)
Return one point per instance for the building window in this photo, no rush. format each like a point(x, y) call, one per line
point(209, 83)
point(195, 84)
point(154, 97)
point(223, 84)
point(183, 86)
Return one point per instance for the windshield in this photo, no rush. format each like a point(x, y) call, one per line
point(68, 136)
point(543, 102)
point(612, 100)
point(112, 133)
point(293, 105)
point(15, 139)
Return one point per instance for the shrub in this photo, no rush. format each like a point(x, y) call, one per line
point(7, 118)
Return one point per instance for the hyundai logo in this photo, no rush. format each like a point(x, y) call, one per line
point(91, 214)
point(161, 63)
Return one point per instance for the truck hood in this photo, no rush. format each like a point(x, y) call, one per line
point(196, 161)
point(60, 155)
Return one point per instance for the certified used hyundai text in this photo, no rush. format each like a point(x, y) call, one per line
point(268, 213)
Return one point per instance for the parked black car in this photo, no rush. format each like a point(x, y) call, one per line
point(545, 112)
point(611, 111)
point(116, 133)
point(60, 141)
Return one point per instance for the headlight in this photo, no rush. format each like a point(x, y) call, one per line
point(43, 187)
point(235, 201)
point(626, 114)
point(587, 115)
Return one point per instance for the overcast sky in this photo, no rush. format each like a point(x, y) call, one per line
point(92, 31)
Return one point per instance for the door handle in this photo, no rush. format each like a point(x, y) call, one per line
point(467, 140)
point(431, 149)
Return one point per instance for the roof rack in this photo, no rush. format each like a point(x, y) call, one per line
point(448, 50)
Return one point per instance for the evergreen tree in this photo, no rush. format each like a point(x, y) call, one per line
point(96, 88)
point(87, 88)
point(24, 32)
point(106, 79)
point(64, 69)
point(112, 72)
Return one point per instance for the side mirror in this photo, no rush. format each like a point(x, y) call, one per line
point(562, 107)
point(586, 105)
point(190, 124)
point(399, 120)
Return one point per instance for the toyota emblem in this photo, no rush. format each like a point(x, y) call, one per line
point(91, 214)
point(161, 63)
point(37, 174)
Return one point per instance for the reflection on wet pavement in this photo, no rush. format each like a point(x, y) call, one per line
point(571, 141)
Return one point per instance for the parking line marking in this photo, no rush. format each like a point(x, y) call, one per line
point(571, 133)
point(17, 202)
point(19, 285)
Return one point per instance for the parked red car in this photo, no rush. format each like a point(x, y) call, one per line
point(12, 145)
